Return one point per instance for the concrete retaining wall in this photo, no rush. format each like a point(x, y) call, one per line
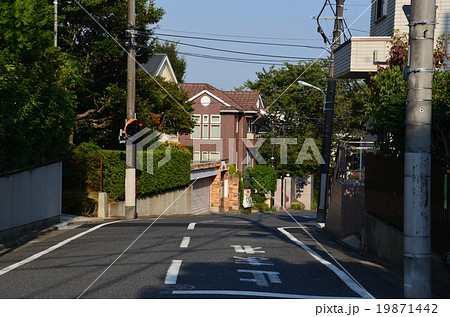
point(342, 217)
point(174, 202)
point(30, 199)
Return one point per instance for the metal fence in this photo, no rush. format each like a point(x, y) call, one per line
point(384, 197)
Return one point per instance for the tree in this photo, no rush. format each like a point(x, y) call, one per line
point(178, 63)
point(263, 178)
point(386, 106)
point(297, 112)
point(37, 84)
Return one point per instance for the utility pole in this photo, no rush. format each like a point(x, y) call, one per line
point(417, 179)
point(328, 122)
point(130, 172)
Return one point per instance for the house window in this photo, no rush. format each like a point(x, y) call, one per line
point(215, 119)
point(205, 118)
point(250, 125)
point(196, 156)
point(204, 156)
point(196, 132)
point(205, 131)
point(214, 156)
point(381, 9)
point(215, 131)
point(196, 118)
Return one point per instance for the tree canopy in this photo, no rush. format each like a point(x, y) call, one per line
point(37, 84)
point(297, 112)
point(386, 107)
point(50, 97)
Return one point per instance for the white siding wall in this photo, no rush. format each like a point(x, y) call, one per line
point(443, 17)
point(385, 25)
point(342, 59)
point(357, 55)
point(396, 19)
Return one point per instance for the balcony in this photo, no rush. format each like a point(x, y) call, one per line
point(360, 56)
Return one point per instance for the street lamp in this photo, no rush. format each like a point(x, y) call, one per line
point(305, 84)
point(326, 145)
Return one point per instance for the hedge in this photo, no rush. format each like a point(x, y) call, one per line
point(173, 174)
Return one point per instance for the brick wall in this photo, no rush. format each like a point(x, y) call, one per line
point(233, 192)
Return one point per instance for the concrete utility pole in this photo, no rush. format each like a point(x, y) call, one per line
point(417, 240)
point(130, 172)
point(328, 122)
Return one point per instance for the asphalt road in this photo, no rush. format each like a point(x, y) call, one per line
point(265, 255)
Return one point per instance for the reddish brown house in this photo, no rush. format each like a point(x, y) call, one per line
point(224, 119)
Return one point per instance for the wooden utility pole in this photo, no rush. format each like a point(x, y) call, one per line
point(328, 122)
point(130, 172)
point(417, 179)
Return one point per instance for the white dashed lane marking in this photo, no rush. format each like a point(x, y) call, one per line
point(191, 226)
point(172, 272)
point(185, 242)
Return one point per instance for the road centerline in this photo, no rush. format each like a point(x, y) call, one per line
point(185, 242)
point(172, 272)
point(191, 226)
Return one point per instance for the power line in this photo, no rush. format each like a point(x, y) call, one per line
point(241, 60)
point(241, 36)
point(231, 51)
point(237, 41)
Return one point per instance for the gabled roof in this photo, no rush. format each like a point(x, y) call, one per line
point(157, 64)
point(249, 100)
point(231, 100)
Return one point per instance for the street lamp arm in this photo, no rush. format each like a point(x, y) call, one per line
point(304, 83)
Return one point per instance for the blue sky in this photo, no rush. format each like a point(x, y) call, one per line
point(276, 22)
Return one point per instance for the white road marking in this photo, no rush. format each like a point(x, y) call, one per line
point(341, 274)
point(185, 242)
point(247, 249)
point(252, 261)
point(53, 248)
point(172, 272)
point(191, 226)
point(250, 293)
point(260, 277)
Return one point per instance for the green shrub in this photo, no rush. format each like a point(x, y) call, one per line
point(114, 173)
point(258, 198)
point(173, 174)
point(263, 178)
point(78, 205)
point(297, 205)
point(246, 177)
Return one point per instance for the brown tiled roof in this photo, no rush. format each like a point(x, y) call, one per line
point(246, 99)
point(239, 100)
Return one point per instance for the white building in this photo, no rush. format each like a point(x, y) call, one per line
point(359, 56)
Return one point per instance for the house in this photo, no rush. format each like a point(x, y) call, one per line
point(360, 56)
point(159, 65)
point(225, 123)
